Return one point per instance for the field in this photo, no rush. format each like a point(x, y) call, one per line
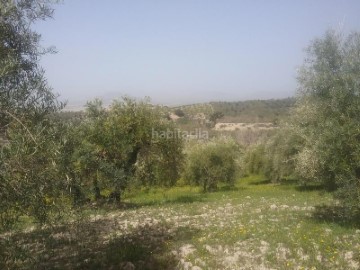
point(255, 225)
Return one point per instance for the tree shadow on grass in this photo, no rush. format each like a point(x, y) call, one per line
point(262, 182)
point(101, 244)
point(336, 214)
point(229, 188)
point(183, 199)
point(187, 199)
point(304, 188)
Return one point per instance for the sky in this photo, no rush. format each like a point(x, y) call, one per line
point(185, 51)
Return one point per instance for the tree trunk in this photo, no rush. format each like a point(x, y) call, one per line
point(97, 191)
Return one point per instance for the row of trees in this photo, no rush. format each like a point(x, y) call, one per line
point(249, 111)
point(58, 164)
point(49, 162)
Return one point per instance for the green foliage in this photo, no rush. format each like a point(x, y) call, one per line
point(215, 116)
point(275, 158)
point(179, 112)
point(119, 148)
point(210, 163)
point(248, 111)
point(327, 116)
point(272, 110)
point(24, 91)
point(31, 183)
point(280, 154)
point(254, 159)
point(196, 109)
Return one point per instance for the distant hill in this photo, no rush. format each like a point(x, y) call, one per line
point(271, 110)
point(249, 111)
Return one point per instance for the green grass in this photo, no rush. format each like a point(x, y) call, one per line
point(254, 225)
point(280, 215)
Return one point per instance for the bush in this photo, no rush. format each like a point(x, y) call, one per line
point(179, 112)
point(280, 155)
point(275, 158)
point(210, 163)
point(254, 159)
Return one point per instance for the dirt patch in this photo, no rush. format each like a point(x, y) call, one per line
point(243, 126)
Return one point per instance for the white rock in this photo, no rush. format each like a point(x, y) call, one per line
point(349, 255)
point(186, 250)
point(200, 262)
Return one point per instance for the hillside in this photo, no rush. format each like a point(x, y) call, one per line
point(249, 111)
point(270, 110)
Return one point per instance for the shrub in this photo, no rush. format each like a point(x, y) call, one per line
point(280, 154)
point(210, 163)
point(276, 157)
point(179, 112)
point(254, 159)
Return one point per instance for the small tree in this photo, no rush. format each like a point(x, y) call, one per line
point(280, 154)
point(215, 116)
point(254, 159)
point(118, 147)
point(179, 112)
point(210, 163)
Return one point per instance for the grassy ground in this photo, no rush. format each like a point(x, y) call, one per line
point(256, 225)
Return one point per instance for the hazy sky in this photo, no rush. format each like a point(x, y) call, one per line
point(185, 51)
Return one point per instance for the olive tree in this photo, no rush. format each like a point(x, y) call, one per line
point(119, 147)
point(212, 162)
point(30, 144)
point(24, 91)
point(327, 116)
point(280, 154)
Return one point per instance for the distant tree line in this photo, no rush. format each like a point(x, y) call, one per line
point(272, 110)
